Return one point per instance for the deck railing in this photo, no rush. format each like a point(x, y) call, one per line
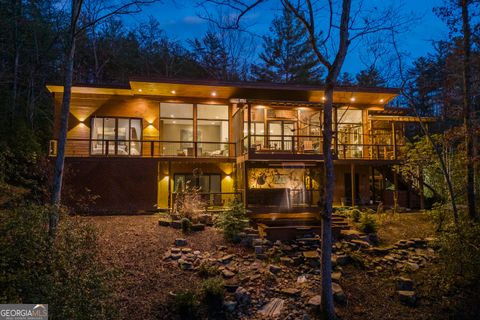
point(313, 145)
point(214, 199)
point(144, 148)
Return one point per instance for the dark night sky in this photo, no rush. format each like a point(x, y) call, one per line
point(180, 21)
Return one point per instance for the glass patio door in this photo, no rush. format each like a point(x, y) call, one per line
point(280, 134)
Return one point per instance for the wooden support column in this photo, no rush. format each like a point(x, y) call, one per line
point(352, 178)
point(170, 205)
point(395, 192)
point(394, 139)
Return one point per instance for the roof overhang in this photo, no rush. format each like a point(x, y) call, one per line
point(238, 90)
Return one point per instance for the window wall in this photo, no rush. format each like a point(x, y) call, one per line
point(350, 132)
point(116, 136)
point(176, 129)
point(212, 130)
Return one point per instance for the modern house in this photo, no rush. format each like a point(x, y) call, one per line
point(135, 145)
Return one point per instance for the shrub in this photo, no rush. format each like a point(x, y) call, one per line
point(205, 270)
point(440, 214)
point(186, 225)
point(185, 304)
point(66, 274)
point(212, 293)
point(355, 214)
point(459, 249)
point(233, 221)
point(368, 224)
point(188, 201)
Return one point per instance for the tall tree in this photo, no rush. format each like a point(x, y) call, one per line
point(212, 56)
point(347, 31)
point(105, 11)
point(346, 79)
point(458, 16)
point(287, 56)
point(370, 77)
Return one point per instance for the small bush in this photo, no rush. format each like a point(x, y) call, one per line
point(459, 249)
point(212, 293)
point(356, 214)
point(368, 224)
point(205, 270)
point(185, 304)
point(233, 221)
point(440, 214)
point(66, 274)
point(186, 225)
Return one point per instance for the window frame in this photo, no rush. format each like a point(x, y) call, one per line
point(197, 181)
point(104, 152)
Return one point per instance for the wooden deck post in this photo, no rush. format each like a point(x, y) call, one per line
point(352, 178)
point(169, 184)
point(394, 139)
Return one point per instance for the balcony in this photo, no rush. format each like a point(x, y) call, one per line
point(311, 147)
point(144, 149)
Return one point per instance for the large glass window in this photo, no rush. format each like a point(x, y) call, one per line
point(176, 129)
point(350, 133)
point(116, 136)
point(212, 130)
point(349, 126)
point(207, 183)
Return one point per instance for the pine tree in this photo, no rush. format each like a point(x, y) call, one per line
point(346, 79)
point(286, 56)
point(370, 77)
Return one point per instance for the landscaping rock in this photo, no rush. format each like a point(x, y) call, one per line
point(272, 309)
point(226, 259)
point(243, 297)
point(404, 284)
point(338, 293)
point(274, 269)
point(290, 291)
point(227, 274)
point(287, 261)
point(259, 250)
point(406, 297)
point(180, 242)
point(197, 227)
point(185, 265)
point(336, 276)
point(315, 301)
point(176, 224)
point(343, 260)
point(229, 306)
point(360, 243)
point(164, 223)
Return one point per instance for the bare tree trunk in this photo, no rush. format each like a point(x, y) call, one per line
point(65, 111)
point(467, 101)
point(329, 177)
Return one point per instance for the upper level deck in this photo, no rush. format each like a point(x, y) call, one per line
point(234, 121)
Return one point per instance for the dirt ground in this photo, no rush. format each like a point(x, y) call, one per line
point(135, 245)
